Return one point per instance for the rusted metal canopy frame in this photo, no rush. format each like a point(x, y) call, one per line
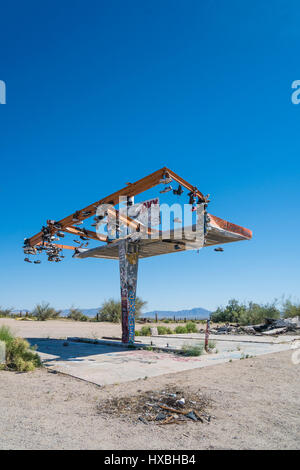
point(132, 189)
point(128, 263)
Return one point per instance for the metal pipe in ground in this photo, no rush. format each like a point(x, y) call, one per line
point(207, 335)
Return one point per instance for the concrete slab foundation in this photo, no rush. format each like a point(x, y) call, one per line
point(108, 363)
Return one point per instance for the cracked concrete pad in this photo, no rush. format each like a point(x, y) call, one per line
point(104, 364)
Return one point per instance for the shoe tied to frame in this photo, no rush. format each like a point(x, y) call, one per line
point(178, 191)
point(166, 190)
point(166, 179)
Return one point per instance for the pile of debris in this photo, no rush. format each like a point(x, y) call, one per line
point(270, 327)
point(171, 406)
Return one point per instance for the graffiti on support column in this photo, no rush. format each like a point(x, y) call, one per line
point(124, 313)
point(131, 315)
point(124, 309)
point(128, 278)
point(131, 265)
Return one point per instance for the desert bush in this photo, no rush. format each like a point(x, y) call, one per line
point(20, 356)
point(211, 344)
point(77, 315)
point(191, 327)
point(145, 331)
point(257, 313)
point(44, 312)
point(180, 329)
point(163, 330)
point(290, 309)
point(231, 313)
point(192, 349)
point(5, 312)
point(6, 335)
point(245, 314)
point(111, 310)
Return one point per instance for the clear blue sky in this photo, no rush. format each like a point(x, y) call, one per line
point(101, 93)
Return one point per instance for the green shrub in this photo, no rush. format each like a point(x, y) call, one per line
point(44, 312)
point(231, 313)
point(145, 331)
point(19, 355)
point(111, 310)
point(257, 313)
point(192, 349)
point(163, 330)
point(245, 314)
point(191, 327)
point(6, 335)
point(5, 312)
point(290, 309)
point(180, 329)
point(137, 333)
point(77, 315)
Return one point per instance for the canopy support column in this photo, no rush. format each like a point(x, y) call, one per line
point(128, 260)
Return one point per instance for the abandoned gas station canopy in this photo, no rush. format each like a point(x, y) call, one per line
point(132, 233)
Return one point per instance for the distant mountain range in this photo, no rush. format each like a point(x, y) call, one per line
point(89, 312)
point(197, 312)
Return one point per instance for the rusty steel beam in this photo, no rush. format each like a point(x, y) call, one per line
point(129, 221)
point(131, 189)
point(85, 233)
point(184, 183)
point(63, 247)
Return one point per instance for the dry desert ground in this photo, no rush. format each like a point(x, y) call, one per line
point(255, 404)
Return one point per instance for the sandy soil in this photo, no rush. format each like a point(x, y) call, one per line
point(256, 404)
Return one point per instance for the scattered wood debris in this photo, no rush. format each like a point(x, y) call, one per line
point(270, 327)
point(169, 406)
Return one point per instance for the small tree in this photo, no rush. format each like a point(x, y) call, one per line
point(290, 309)
point(257, 313)
point(76, 314)
point(252, 313)
point(5, 312)
point(231, 313)
point(43, 312)
point(111, 310)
